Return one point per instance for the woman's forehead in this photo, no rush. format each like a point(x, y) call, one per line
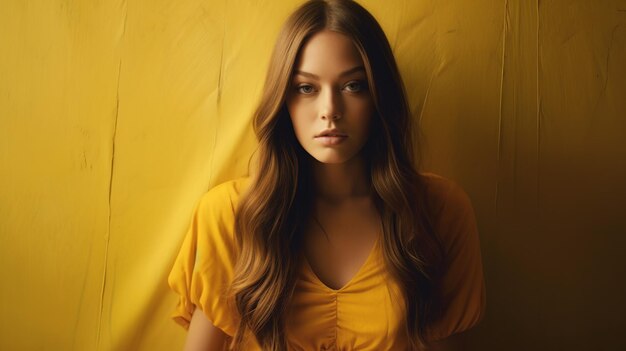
point(328, 54)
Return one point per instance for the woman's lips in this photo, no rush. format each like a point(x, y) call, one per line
point(331, 139)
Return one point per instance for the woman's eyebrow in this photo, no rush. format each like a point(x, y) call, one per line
point(344, 73)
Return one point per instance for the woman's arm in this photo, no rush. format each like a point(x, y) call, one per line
point(203, 336)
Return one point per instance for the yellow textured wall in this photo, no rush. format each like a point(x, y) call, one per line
point(115, 116)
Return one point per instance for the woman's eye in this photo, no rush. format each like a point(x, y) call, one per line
point(305, 89)
point(355, 87)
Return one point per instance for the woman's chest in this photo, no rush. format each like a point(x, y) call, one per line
point(340, 241)
point(366, 314)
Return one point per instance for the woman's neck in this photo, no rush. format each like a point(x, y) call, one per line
point(341, 182)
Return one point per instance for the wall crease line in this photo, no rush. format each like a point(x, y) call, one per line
point(538, 103)
point(505, 27)
point(220, 84)
point(114, 137)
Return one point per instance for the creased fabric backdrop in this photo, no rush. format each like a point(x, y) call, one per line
point(115, 116)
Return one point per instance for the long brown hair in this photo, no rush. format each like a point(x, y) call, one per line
point(269, 218)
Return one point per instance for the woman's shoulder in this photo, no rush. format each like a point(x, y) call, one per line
point(235, 186)
point(227, 192)
point(442, 192)
point(449, 207)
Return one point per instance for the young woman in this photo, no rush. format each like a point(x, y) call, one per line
point(337, 242)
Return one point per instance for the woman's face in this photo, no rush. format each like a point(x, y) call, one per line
point(329, 102)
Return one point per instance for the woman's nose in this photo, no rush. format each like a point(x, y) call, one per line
point(330, 104)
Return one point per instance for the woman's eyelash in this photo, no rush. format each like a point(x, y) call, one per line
point(305, 88)
point(356, 86)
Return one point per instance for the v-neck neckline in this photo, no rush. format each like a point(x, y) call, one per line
point(354, 277)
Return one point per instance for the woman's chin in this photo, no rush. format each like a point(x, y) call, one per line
point(333, 159)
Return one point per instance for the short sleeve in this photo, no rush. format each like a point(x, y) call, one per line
point(462, 284)
point(203, 269)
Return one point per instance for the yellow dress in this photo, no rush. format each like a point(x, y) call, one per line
point(367, 313)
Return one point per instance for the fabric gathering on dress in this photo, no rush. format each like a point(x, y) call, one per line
point(367, 313)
